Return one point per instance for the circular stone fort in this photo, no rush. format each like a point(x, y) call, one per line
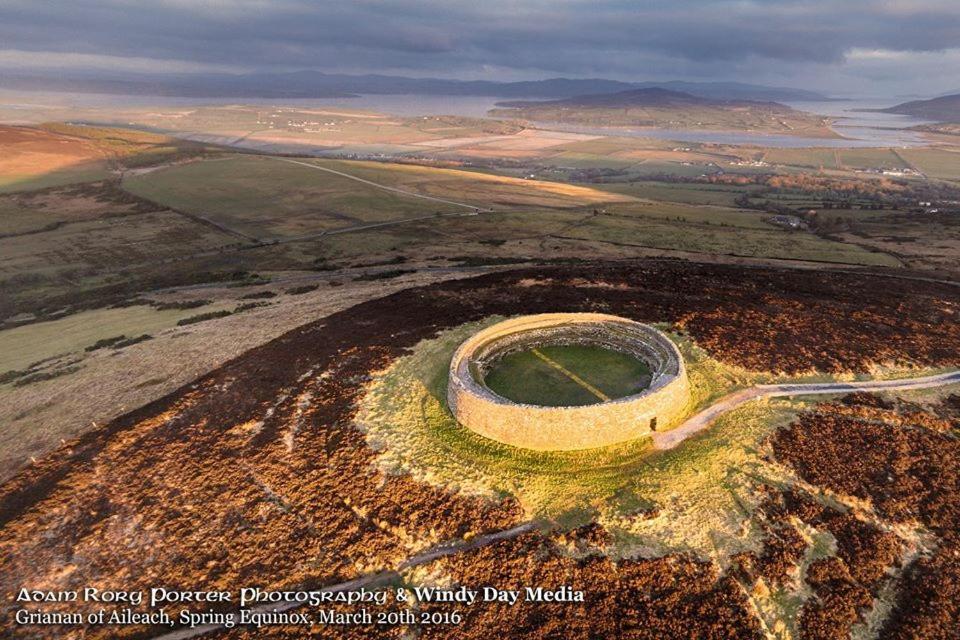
point(566, 381)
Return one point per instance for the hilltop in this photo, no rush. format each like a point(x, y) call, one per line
point(644, 97)
point(656, 106)
point(942, 109)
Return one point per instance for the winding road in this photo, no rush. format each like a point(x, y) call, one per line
point(702, 420)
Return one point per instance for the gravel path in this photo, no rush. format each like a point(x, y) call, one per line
point(702, 420)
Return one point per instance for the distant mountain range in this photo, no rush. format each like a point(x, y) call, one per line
point(314, 84)
point(942, 109)
point(648, 97)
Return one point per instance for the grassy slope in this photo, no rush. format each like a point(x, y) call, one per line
point(274, 199)
point(704, 490)
point(57, 154)
point(85, 172)
point(481, 189)
point(406, 408)
point(22, 346)
point(94, 249)
point(659, 225)
point(732, 233)
point(271, 199)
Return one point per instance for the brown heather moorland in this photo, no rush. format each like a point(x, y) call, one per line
point(255, 473)
point(906, 463)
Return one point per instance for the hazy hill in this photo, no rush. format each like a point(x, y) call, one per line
point(737, 91)
point(943, 109)
point(173, 85)
point(651, 97)
point(314, 84)
point(665, 108)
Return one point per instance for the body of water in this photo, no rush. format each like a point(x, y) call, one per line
point(867, 137)
point(858, 128)
point(400, 105)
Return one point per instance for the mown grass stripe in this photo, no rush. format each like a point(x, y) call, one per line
point(570, 374)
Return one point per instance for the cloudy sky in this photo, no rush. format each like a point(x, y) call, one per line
point(867, 47)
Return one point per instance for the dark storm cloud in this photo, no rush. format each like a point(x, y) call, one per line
point(555, 37)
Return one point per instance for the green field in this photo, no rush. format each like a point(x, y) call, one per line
point(89, 172)
point(697, 194)
point(871, 158)
point(724, 235)
point(57, 154)
point(23, 346)
point(579, 160)
point(936, 163)
point(271, 198)
point(567, 375)
point(657, 225)
point(812, 158)
point(75, 245)
point(609, 145)
point(122, 242)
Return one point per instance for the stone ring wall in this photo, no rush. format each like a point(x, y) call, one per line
point(544, 428)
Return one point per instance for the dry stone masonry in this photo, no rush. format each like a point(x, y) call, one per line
point(542, 428)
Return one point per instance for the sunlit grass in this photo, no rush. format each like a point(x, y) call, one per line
point(700, 497)
point(406, 419)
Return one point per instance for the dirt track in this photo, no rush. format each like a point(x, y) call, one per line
point(405, 192)
point(702, 420)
